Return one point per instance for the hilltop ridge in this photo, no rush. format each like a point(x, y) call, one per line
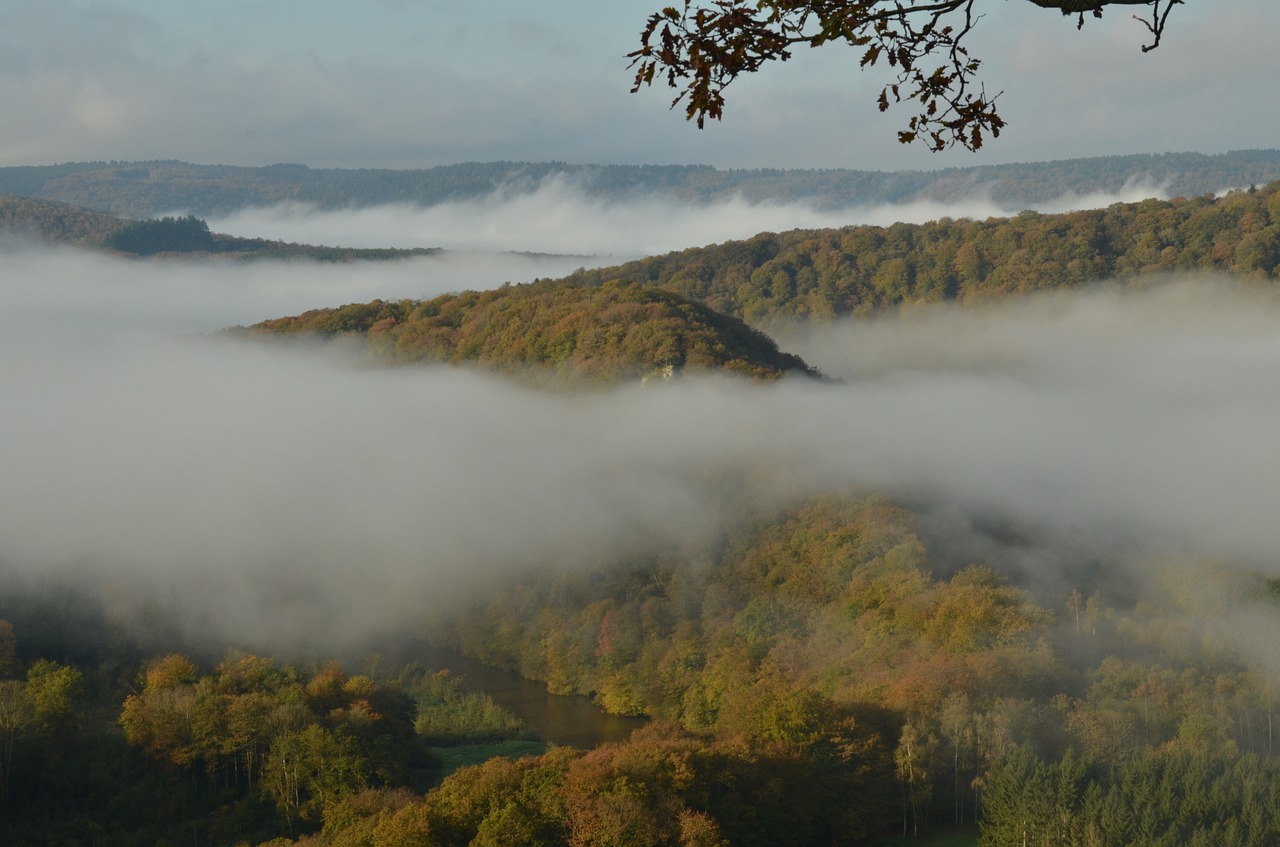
point(554, 332)
point(142, 189)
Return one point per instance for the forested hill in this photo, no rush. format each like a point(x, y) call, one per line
point(855, 270)
point(141, 189)
point(555, 332)
point(54, 222)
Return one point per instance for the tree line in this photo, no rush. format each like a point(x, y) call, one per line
point(189, 234)
point(825, 274)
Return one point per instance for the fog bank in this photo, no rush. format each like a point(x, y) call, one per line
point(294, 494)
point(558, 216)
point(80, 292)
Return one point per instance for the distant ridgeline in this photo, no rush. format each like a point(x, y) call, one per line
point(821, 274)
point(555, 332)
point(143, 189)
point(61, 223)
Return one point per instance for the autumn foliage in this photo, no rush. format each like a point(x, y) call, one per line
point(823, 274)
point(554, 332)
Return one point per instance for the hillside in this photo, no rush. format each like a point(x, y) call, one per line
point(142, 189)
point(555, 332)
point(821, 274)
point(55, 222)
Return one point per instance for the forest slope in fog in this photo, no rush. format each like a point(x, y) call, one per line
point(583, 327)
point(823, 274)
point(1020, 589)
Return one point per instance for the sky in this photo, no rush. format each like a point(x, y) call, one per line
point(419, 83)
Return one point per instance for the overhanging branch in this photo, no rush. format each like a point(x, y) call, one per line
point(701, 50)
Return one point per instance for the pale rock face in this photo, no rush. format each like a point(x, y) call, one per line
point(666, 372)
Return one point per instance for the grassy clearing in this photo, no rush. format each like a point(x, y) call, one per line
point(463, 755)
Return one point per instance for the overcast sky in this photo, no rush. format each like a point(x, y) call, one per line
point(418, 83)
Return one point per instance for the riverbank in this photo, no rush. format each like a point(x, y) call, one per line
point(556, 719)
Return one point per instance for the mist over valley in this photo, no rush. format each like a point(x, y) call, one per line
point(1004, 513)
point(587, 425)
point(560, 215)
point(141, 449)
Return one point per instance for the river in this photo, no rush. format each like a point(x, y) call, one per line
point(568, 720)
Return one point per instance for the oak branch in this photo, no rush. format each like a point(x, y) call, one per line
point(700, 49)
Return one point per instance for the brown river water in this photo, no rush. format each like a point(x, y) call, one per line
point(568, 720)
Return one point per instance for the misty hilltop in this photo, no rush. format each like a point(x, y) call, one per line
point(141, 189)
point(554, 332)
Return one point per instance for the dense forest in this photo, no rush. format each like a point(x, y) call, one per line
point(823, 274)
point(830, 630)
point(554, 332)
point(814, 676)
point(629, 320)
point(144, 189)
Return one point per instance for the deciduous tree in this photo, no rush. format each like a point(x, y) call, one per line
point(700, 49)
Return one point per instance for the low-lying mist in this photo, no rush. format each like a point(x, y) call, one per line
point(83, 293)
point(558, 216)
point(298, 496)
